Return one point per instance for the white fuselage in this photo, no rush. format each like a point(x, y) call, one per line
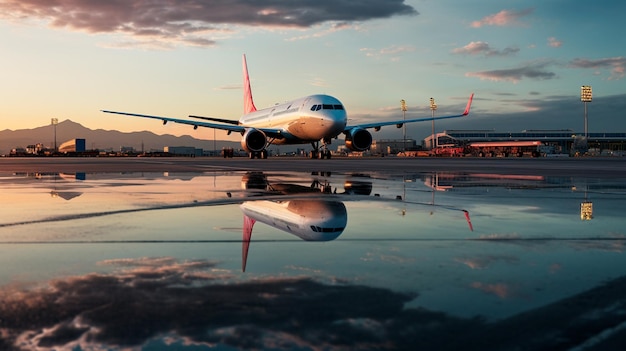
point(309, 219)
point(308, 119)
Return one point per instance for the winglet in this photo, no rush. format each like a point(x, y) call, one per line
point(248, 103)
point(469, 221)
point(469, 104)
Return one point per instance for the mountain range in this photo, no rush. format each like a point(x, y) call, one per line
point(101, 139)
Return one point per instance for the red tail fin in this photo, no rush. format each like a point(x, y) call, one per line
point(248, 223)
point(248, 103)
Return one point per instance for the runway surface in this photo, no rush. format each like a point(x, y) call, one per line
point(595, 167)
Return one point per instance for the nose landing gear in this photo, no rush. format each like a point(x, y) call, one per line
point(317, 153)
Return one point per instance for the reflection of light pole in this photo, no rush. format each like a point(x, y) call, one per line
point(54, 123)
point(433, 107)
point(404, 109)
point(585, 97)
point(586, 208)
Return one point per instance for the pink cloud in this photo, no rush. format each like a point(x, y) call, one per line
point(501, 290)
point(502, 18)
point(553, 42)
point(483, 48)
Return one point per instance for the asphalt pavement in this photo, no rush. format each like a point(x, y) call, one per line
point(613, 167)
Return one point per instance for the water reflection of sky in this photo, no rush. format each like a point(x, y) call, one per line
point(154, 261)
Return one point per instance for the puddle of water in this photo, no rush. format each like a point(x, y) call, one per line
point(374, 257)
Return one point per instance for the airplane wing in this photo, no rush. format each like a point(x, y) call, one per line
point(226, 125)
point(221, 120)
point(195, 124)
point(403, 121)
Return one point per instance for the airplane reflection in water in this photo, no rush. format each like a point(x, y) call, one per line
point(307, 217)
point(311, 219)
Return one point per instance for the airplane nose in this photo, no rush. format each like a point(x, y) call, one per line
point(336, 123)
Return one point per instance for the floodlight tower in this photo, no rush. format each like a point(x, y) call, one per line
point(585, 97)
point(54, 123)
point(404, 109)
point(433, 108)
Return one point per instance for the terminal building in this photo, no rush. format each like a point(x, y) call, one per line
point(547, 141)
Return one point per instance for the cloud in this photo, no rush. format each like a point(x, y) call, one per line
point(501, 290)
point(393, 52)
point(484, 261)
point(535, 71)
point(333, 28)
point(502, 18)
point(553, 42)
point(617, 65)
point(172, 304)
point(483, 48)
point(192, 22)
point(187, 302)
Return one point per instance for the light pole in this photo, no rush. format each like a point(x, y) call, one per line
point(404, 109)
point(433, 108)
point(54, 122)
point(585, 97)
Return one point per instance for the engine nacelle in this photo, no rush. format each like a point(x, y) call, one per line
point(253, 140)
point(358, 139)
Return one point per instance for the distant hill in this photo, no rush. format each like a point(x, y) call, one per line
point(101, 139)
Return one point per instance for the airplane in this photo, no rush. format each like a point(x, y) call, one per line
point(310, 119)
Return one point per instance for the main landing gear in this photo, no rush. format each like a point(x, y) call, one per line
point(317, 153)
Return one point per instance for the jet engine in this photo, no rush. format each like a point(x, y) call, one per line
point(253, 140)
point(358, 139)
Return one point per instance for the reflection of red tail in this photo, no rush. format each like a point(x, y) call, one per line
point(248, 103)
point(469, 221)
point(248, 223)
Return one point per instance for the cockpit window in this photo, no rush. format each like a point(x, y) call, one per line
point(326, 107)
point(326, 230)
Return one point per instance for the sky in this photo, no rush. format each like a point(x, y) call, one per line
point(524, 60)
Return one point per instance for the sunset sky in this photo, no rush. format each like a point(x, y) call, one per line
point(524, 60)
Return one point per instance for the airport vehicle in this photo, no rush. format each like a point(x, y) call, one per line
point(311, 119)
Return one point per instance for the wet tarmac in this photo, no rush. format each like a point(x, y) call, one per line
point(296, 254)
